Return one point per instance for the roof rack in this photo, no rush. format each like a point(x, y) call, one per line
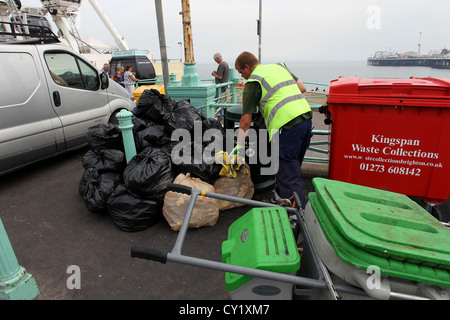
point(12, 32)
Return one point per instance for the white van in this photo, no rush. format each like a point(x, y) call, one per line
point(49, 97)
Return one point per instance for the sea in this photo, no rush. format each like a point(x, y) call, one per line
point(319, 74)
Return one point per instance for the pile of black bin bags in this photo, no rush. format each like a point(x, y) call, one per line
point(133, 194)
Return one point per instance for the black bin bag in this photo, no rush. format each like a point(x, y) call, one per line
point(148, 173)
point(95, 188)
point(131, 212)
point(140, 123)
point(192, 159)
point(152, 136)
point(154, 106)
point(211, 123)
point(104, 160)
point(105, 136)
point(183, 116)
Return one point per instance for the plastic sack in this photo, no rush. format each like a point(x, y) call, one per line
point(106, 136)
point(206, 171)
point(154, 106)
point(183, 117)
point(148, 133)
point(216, 137)
point(104, 160)
point(132, 213)
point(211, 123)
point(205, 212)
point(148, 173)
point(168, 147)
point(95, 188)
point(241, 186)
point(140, 123)
point(153, 136)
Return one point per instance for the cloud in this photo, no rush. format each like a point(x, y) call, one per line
point(291, 29)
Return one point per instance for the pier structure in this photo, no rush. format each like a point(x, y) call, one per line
point(441, 63)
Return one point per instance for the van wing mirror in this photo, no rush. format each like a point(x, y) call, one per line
point(104, 80)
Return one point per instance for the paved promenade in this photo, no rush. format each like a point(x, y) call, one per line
point(51, 229)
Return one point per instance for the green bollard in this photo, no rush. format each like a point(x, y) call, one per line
point(190, 76)
point(15, 282)
point(126, 126)
point(233, 86)
point(173, 80)
point(200, 96)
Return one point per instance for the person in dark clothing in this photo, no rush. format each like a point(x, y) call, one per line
point(221, 75)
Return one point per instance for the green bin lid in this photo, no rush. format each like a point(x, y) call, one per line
point(368, 226)
point(260, 239)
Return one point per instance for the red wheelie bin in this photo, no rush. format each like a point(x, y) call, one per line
point(392, 134)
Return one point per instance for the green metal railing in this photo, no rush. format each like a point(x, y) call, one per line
point(316, 100)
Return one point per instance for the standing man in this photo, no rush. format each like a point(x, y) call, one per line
point(278, 94)
point(222, 75)
point(105, 69)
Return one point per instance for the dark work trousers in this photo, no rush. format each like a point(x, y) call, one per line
point(293, 144)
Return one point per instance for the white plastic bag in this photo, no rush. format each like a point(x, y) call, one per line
point(205, 212)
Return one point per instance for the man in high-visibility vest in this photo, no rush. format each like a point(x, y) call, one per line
point(278, 95)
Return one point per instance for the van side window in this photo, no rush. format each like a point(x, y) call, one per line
point(68, 70)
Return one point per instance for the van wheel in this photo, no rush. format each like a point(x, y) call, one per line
point(113, 119)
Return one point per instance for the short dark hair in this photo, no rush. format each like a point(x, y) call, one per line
point(246, 58)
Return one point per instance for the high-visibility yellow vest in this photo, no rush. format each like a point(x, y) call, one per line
point(281, 99)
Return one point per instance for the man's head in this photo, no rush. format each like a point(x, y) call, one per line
point(245, 63)
point(217, 57)
point(106, 67)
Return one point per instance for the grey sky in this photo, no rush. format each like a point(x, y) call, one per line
point(292, 30)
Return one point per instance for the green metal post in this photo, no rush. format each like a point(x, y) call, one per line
point(190, 77)
point(233, 86)
point(15, 282)
point(172, 79)
point(126, 126)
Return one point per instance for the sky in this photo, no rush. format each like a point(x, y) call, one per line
point(292, 30)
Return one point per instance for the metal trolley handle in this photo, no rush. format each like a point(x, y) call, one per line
point(148, 254)
point(176, 256)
